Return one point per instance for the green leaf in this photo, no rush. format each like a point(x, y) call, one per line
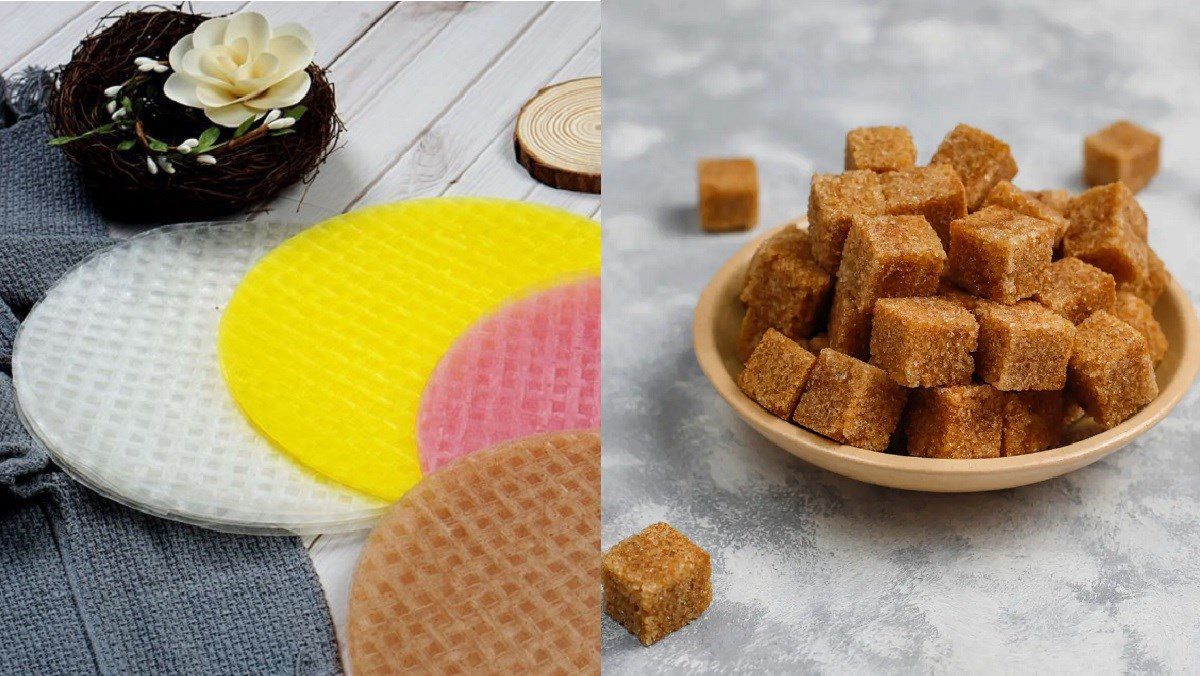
point(295, 112)
point(281, 132)
point(62, 140)
point(244, 127)
point(207, 139)
point(126, 103)
point(156, 145)
point(126, 144)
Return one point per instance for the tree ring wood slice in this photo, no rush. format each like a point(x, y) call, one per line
point(557, 137)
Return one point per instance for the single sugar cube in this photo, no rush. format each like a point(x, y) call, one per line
point(981, 160)
point(1108, 230)
point(960, 422)
point(1111, 374)
point(833, 202)
point(934, 192)
point(850, 401)
point(1123, 152)
point(776, 372)
point(1137, 313)
point(1056, 198)
point(786, 288)
point(1033, 421)
point(998, 254)
point(728, 194)
point(924, 342)
point(1075, 289)
point(880, 149)
point(1011, 197)
point(1023, 346)
point(656, 582)
point(891, 257)
point(1150, 287)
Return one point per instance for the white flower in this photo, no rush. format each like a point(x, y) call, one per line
point(111, 107)
point(281, 123)
point(111, 92)
point(237, 67)
point(272, 116)
point(206, 159)
point(150, 165)
point(166, 164)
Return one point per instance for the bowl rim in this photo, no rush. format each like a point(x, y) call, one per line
point(1071, 455)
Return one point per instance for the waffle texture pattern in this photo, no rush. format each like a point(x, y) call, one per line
point(532, 367)
point(89, 586)
point(490, 565)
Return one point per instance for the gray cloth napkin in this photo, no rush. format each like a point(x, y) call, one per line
point(89, 586)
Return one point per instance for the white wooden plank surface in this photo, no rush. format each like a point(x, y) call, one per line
point(429, 93)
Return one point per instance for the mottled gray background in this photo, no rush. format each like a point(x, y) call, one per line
point(1094, 572)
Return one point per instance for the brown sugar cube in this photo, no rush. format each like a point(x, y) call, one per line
point(832, 202)
point(924, 342)
point(998, 254)
point(1057, 198)
point(1111, 373)
point(1033, 421)
point(1108, 230)
point(850, 401)
point(891, 257)
point(1150, 287)
point(1123, 152)
point(776, 372)
point(960, 422)
point(1022, 347)
point(981, 160)
point(1137, 313)
point(786, 288)
point(934, 192)
point(880, 149)
point(1010, 197)
point(1075, 289)
point(656, 582)
point(728, 194)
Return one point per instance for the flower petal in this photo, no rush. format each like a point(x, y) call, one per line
point(292, 52)
point(215, 97)
point(231, 115)
point(252, 26)
point(210, 33)
point(182, 89)
point(176, 56)
point(297, 31)
point(287, 92)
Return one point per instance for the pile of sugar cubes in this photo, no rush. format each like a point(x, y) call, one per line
point(941, 311)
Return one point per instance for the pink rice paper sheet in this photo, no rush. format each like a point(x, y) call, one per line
point(532, 367)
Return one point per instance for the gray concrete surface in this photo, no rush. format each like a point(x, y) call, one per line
point(1095, 572)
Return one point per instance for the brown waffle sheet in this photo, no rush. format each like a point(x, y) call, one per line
point(490, 565)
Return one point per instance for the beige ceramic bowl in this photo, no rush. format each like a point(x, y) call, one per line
point(715, 332)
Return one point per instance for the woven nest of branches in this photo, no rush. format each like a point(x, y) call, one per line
point(246, 173)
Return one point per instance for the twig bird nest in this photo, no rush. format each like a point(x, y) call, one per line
point(245, 174)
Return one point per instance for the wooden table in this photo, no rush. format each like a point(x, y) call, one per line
point(428, 92)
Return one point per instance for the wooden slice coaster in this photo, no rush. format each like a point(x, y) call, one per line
point(489, 565)
point(557, 137)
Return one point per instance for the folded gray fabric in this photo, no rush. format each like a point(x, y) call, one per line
point(89, 586)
